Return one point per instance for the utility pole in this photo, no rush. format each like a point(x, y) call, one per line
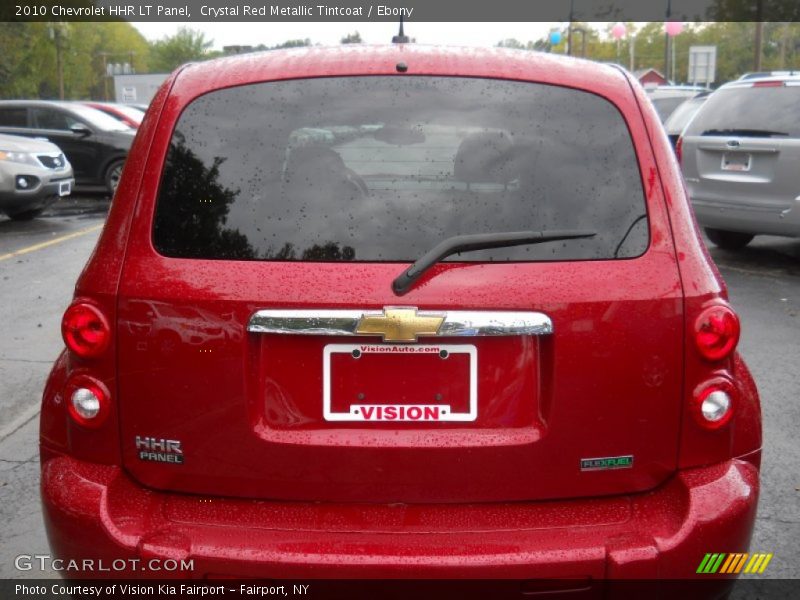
point(569, 29)
point(56, 35)
point(667, 41)
point(105, 55)
point(759, 42)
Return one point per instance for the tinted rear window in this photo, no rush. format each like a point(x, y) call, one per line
point(755, 110)
point(14, 117)
point(385, 168)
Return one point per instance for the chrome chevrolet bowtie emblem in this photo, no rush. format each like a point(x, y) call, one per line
point(400, 324)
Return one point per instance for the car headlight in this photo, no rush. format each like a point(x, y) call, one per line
point(18, 157)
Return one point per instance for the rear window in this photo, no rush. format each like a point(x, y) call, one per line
point(771, 111)
point(680, 116)
point(14, 117)
point(385, 168)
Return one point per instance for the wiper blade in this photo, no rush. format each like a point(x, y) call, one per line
point(478, 241)
point(744, 132)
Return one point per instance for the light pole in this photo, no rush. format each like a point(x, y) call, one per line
point(57, 34)
point(667, 40)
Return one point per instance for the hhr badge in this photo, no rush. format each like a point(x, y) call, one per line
point(159, 450)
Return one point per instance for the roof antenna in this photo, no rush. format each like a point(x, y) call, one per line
point(401, 38)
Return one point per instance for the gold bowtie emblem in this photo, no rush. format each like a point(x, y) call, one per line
point(400, 324)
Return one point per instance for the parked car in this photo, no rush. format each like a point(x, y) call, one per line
point(739, 158)
point(762, 74)
point(467, 345)
point(33, 175)
point(138, 106)
point(666, 98)
point(128, 115)
point(94, 143)
point(680, 117)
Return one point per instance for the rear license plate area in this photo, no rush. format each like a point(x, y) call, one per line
point(736, 161)
point(400, 383)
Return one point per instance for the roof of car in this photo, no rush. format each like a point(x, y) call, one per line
point(757, 81)
point(353, 59)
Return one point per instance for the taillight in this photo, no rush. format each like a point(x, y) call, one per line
point(679, 149)
point(713, 404)
point(716, 332)
point(88, 400)
point(85, 330)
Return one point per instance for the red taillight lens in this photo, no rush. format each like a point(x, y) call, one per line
point(679, 150)
point(716, 332)
point(88, 401)
point(713, 404)
point(85, 330)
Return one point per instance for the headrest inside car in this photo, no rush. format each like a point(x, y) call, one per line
point(483, 158)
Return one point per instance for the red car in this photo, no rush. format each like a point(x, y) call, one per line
point(130, 116)
point(421, 312)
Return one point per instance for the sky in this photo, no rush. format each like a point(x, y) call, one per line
point(271, 34)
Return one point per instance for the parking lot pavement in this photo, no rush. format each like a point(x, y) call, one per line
point(764, 286)
point(40, 261)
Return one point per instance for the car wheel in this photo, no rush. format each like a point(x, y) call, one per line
point(26, 215)
point(728, 240)
point(113, 173)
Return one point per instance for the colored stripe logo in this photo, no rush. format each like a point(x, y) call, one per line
point(734, 563)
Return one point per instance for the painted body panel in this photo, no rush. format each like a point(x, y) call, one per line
point(612, 379)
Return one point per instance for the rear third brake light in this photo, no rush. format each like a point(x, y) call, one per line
point(716, 332)
point(85, 330)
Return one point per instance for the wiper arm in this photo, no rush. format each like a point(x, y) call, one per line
point(479, 241)
point(744, 132)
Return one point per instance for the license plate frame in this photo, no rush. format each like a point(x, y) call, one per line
point(738, 162)
point(64, 188)
point(357, 412)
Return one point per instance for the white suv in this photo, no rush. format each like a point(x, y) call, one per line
point(33, 174)
point(739, 156)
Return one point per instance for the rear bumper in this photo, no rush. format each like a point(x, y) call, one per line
point(97, 512)
point(735, 214)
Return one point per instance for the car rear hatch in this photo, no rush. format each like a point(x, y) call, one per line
point(742, 148)
point(263, 352)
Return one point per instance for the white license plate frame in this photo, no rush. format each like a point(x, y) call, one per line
point(357, 412)
point(738, 162)
point(64, 188)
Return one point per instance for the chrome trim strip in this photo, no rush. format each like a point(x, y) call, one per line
point(345, 322)
point(305, 322)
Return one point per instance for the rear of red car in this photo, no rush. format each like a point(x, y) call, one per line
point(271, 373)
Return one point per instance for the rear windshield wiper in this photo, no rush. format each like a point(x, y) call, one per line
point(478, 241)
point(744, 132)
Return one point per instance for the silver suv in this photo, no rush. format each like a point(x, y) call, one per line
point(740, 157)
point(33, 174)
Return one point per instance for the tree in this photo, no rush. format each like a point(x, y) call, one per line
point(28, 51)
point(514, 44)
point(352, 38)
point(186, 45)
point(292, 44)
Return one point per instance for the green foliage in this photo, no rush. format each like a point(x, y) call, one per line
point(352, 38)
point(186, 45)
point(735, 42)
point(291, 44)
point(28, 57)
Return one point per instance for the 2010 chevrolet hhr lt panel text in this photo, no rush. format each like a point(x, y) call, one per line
point(401, 312)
